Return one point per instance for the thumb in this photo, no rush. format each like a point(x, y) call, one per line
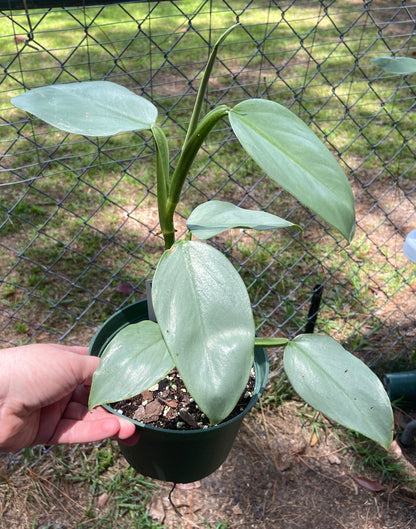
point(82, 367)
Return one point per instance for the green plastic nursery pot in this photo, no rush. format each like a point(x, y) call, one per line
point(401, 387)
point(171, 455)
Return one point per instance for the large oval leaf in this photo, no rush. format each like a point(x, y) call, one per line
point(134, 360)
point(397, 65)
point(92, 108)
point(290, 153)
point(214, 217)
point(205, 316)
point(339, 385)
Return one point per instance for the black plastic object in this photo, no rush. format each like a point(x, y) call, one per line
point(401, 388)
point(314, 308)
point(171, 455)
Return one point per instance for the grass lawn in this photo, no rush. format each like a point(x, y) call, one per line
point(82, 224)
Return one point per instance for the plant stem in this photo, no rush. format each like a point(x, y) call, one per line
point(270, 342)
point(188, 154)
point(196, 112)
point(162, 174)
point(169, 194)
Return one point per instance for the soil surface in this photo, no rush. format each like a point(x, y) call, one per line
point(169, 405)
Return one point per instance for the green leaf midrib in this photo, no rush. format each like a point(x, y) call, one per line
point(199, 302)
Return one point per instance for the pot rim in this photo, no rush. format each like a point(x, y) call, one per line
point(259, 385)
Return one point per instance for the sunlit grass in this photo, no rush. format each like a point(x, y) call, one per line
point(89, 216)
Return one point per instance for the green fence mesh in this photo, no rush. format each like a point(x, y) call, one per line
point(79, 232)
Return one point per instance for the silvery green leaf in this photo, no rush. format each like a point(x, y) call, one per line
point(294, 157)
point(214, 217)
point(91, 108)
point(134, 360)
point(338, 384)
point(205, 316)
point(397, 65)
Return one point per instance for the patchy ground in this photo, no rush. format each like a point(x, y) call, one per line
point(277, 476)
point(274, 478)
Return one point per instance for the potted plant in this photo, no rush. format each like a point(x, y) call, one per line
point(204, 324)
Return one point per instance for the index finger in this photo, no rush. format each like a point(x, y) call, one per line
point(73, 349)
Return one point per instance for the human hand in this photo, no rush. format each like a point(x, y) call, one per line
point(44, 398)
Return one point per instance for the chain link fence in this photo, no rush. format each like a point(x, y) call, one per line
point(79, 231)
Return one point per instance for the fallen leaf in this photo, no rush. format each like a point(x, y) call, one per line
point(126, 288)
point(374, 486)
point(407, 491)
point(314, 440)
point(102, 500)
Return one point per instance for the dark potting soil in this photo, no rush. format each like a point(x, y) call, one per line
point(169, 405)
